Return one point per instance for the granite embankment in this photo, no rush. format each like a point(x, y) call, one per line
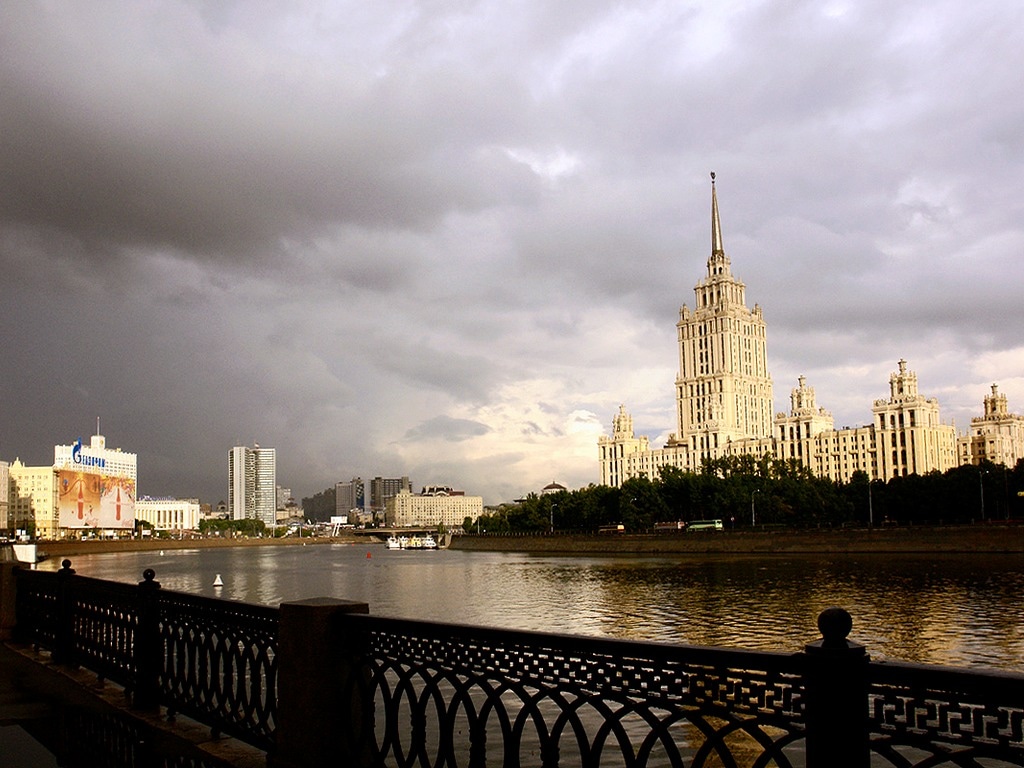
point(982, 539)
point(978, 538)
point(69, 547)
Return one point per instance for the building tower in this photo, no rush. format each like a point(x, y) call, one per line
point(998, 436)
point(724, 391)
point(909, 436)
point(252, 484)
point(349, 497)
point(384, 488)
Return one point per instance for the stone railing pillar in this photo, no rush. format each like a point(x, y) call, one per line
point(836, 706)
point(64, 642)
point(149, 649)
point(321, 714)
point(8, 596)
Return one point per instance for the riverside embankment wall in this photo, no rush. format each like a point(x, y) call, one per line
point(69, 547)
point(990, 539)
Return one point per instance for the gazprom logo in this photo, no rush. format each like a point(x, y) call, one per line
point(86, 461)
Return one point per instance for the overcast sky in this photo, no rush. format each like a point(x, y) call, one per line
point(448, 239)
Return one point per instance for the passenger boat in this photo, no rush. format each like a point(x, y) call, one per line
point(393, 543)
point(429, 542)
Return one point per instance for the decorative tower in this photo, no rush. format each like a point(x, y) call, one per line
point(724, 391)
point(910, 439)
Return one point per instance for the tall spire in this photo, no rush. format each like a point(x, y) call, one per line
point(716, 224)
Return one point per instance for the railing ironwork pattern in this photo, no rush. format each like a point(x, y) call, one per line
point(212, 660)
point(495, 697)
point(219, 664)
point(105, 618)
point(923, 715)
point(38, 607)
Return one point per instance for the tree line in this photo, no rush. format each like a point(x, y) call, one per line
point(759, 492)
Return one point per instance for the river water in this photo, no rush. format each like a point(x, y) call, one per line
point(958, 610)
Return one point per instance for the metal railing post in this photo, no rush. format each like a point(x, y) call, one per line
point(836, 706)
point(64, 640)
point(148, 648)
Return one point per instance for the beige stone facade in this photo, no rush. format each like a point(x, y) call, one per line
point(32, 499)
point(407, 509)
point(998, 436)
point(724, 404)
point(172, 515)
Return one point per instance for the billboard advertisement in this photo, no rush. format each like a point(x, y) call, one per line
point(91, 500)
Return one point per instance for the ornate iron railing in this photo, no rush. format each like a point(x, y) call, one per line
point(219, 664)
point(405, 693)
point(212, 660)
point(444, 694)
point(925, 715)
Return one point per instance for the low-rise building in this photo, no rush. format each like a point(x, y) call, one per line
point(439, 508)
point(169, 514)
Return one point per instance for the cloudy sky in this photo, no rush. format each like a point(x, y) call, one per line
point(446, 239)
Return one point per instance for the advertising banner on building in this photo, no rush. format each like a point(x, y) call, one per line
point(90, 500)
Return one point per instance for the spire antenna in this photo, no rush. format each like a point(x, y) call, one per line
point(716, 224)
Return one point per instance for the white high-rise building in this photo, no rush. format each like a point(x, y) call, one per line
point(252, 484)
point(96, 457)
point(96, 489)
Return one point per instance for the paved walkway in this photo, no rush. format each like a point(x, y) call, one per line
point(51, 717)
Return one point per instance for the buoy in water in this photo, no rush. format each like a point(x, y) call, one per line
point(369, 555)
point(218, 582)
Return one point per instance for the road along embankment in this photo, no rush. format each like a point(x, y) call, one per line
point(987, 539)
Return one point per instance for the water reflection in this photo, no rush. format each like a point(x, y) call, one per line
point(949, 609)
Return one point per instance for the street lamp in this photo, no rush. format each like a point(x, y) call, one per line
point(981, 488)
point(753, 516)
point(552, 521)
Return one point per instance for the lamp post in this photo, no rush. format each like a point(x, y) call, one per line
point(753, 515)
point(551, 511)
point(981, 488)
point(871, 510)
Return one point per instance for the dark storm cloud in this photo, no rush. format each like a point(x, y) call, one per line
point(445, 428)
point(313, 224)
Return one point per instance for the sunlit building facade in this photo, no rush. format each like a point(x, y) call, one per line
point(434, 508)
point(997, 436)
point(32, 500)
point(169, 515)
point(724, 402)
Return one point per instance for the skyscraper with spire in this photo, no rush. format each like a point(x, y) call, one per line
point(723, 391)
point(724, 401)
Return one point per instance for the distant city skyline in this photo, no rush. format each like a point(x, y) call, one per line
point(446, 242)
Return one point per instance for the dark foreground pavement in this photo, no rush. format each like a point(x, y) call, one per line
point(59, 717)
